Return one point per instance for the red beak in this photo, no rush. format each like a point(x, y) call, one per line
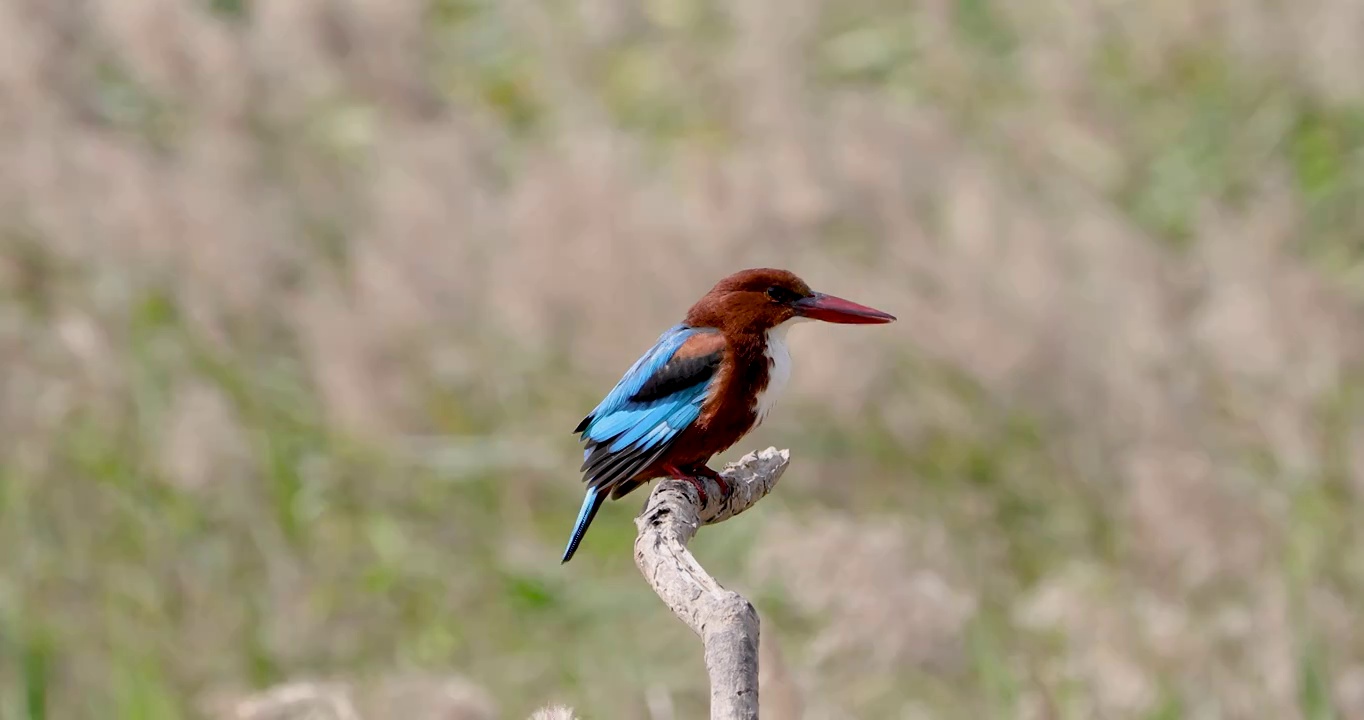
point(837, 310)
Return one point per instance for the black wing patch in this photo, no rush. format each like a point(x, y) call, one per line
point(678, 374)
point(603, 468)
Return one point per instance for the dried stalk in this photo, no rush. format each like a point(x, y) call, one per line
point(726, 622)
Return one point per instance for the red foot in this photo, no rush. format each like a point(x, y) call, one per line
point(703, 471)
point(696, 476)
point(699, 485)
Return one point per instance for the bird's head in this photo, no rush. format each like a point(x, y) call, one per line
point(760, 299)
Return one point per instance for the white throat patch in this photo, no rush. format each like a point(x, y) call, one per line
point(778, 366)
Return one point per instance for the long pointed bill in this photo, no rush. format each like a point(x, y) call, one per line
point(837, 310)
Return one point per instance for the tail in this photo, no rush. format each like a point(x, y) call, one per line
point(591, 504)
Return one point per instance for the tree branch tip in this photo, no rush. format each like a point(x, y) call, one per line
point(770, 455)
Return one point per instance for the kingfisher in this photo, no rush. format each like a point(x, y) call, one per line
point(705, 384)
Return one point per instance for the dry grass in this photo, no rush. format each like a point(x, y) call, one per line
point(300, 299)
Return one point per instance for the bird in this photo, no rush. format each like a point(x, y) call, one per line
point(706, 383)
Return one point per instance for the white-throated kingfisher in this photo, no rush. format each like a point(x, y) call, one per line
point(704, 384)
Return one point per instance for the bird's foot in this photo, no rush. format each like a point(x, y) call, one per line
point(705, 472)
point(700, 486)
point(697, 476)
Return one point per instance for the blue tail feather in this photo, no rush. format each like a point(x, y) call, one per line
point(591, 503)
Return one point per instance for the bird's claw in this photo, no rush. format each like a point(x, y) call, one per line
point(698, 482)
point(700, 486)
point(724, 486)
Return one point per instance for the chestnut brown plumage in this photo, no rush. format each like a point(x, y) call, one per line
point(704, 385)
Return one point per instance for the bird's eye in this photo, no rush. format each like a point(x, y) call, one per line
point(782, 295)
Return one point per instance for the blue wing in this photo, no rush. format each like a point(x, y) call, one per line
point(658, 397)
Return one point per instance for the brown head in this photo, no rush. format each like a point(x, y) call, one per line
point(760, 299)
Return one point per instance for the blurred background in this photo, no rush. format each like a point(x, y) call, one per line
point(300, 300)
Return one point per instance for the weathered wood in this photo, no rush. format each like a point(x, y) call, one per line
point(725, 621)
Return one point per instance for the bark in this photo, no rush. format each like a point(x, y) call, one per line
point(725, 621)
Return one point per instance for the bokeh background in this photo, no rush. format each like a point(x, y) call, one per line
point(300, 299)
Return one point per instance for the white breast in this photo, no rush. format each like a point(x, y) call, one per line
point(778, 367)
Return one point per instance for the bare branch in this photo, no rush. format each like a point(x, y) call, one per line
point(726, 622)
